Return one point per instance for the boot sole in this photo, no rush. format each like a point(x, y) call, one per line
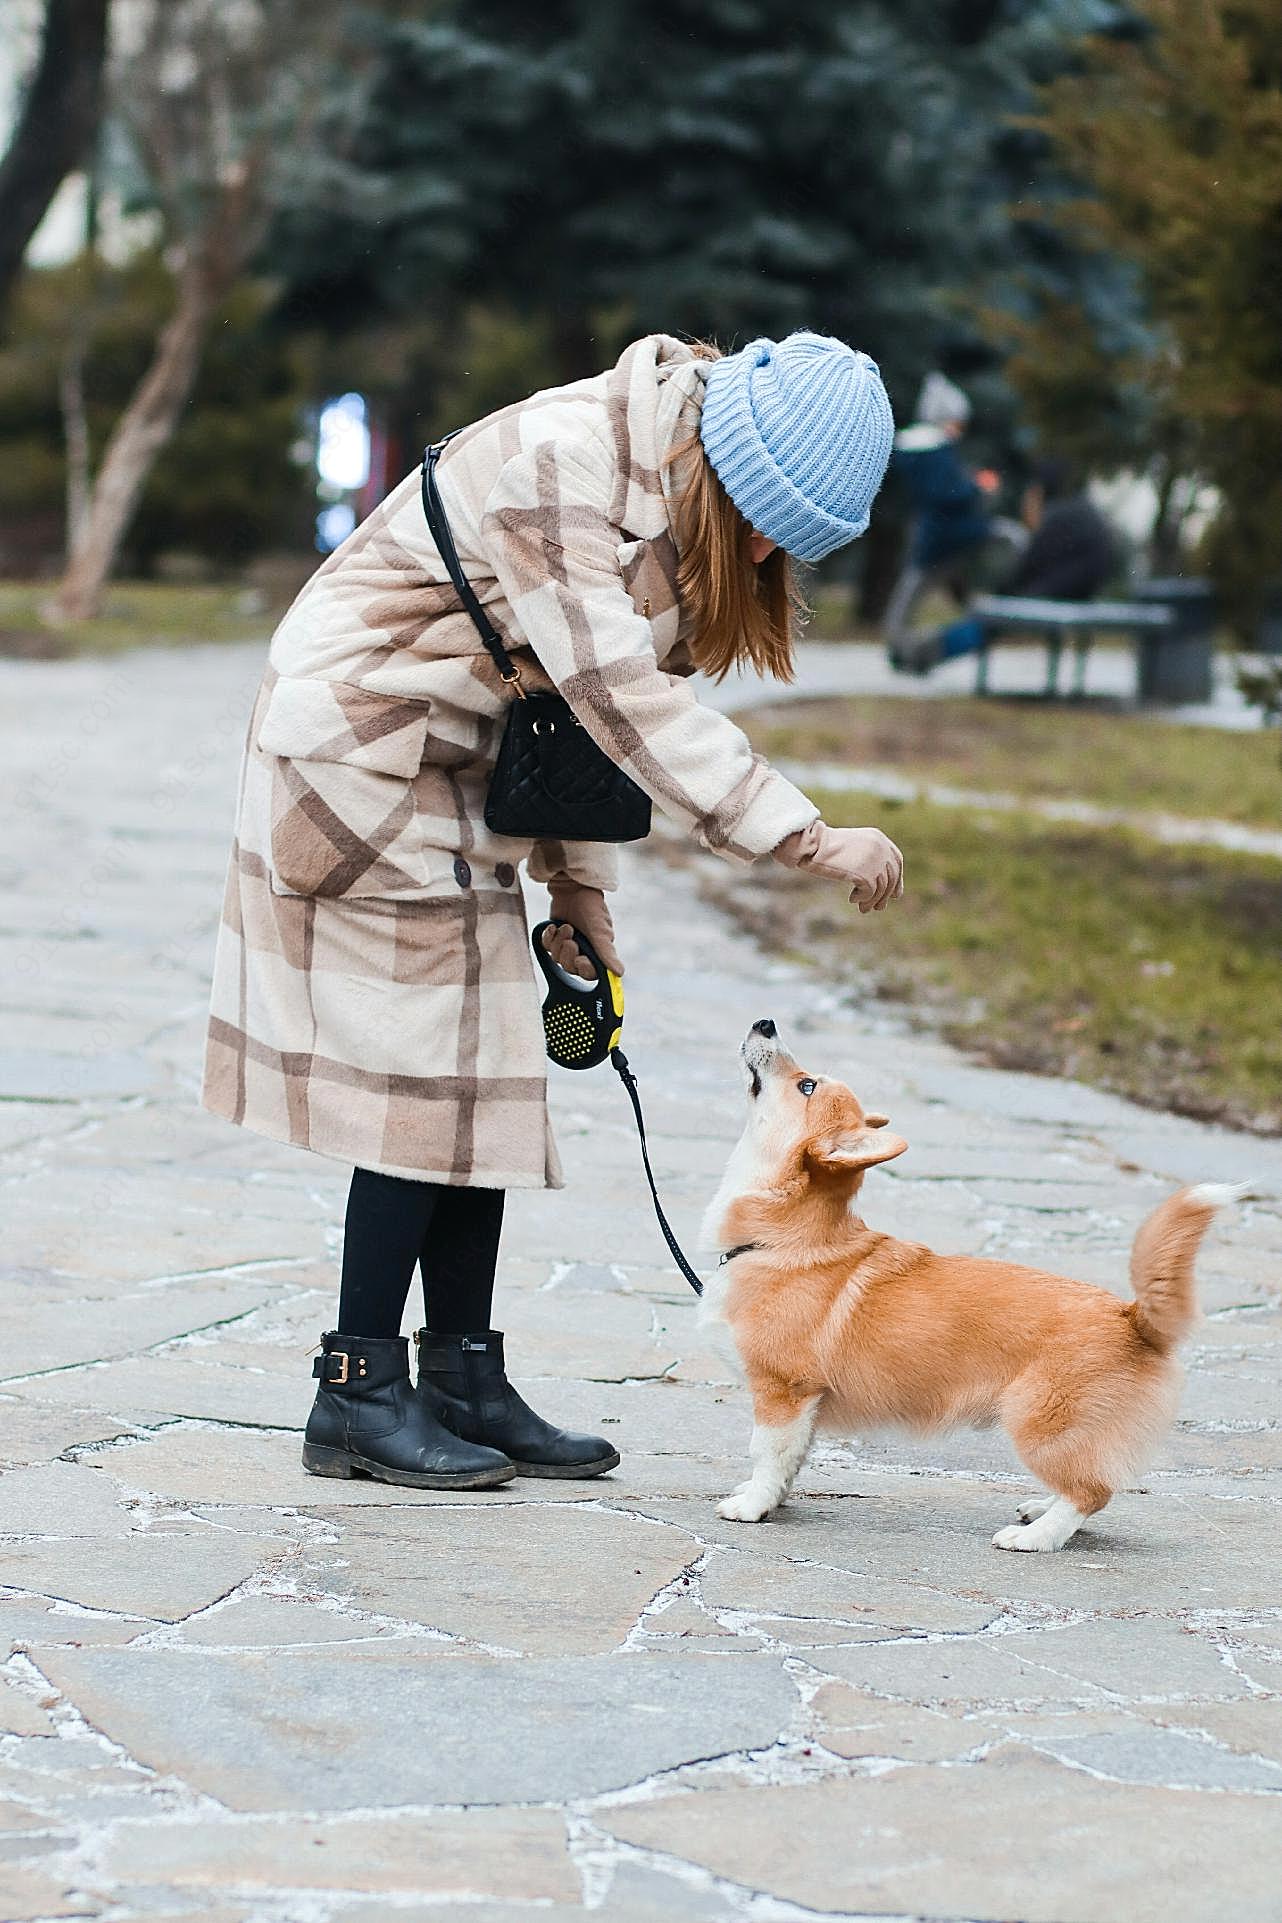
point(568, 1471)
point(343, 1466)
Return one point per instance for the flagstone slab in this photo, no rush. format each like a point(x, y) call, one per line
point(1251, 1726)
point(65, 1229)
point(32, 1431)
point(160, 1576)
point(26, 1624)
point(302, 1732)
point(853, 1723)
point(196, 1385)
point(284, 1621)
point(1108, 1660)
point(32, 1894)
point(60, 1499)
point(1004, 1837)
point(1172, 1758)
point(753, 1580)
point(67, 1073)
point(543, 1580)
point(44, 1339)
point(29, 1125)
point(514, 1853)
point(22, 1714)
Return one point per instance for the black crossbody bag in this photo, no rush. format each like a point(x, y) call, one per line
point(551, 781)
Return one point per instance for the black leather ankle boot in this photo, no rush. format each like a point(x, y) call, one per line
point(367, 1421)
point(462, 1380)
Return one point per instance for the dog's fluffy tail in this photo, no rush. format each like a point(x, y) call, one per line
point(1165, 1304)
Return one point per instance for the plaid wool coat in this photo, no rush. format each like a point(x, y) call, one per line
point(374, 994)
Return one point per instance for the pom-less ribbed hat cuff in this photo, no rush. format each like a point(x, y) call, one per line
point(767, 499)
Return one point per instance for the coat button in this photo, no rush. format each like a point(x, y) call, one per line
point(505, 874)
point(462, 872)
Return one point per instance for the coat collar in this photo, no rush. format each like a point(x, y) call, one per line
point(654, 397)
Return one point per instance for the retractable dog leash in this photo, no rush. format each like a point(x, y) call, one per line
point(582, 1025)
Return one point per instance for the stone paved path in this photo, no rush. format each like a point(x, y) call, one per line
point(241, 1695)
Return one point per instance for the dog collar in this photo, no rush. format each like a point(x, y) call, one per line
point(742, 1248)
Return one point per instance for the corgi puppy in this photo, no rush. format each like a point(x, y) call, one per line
point(842, 1328)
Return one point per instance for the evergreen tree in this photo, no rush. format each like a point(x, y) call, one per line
point(713, 166)
point(1176, 134)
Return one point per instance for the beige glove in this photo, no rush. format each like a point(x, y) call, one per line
point(862, 856)
point(574, 905)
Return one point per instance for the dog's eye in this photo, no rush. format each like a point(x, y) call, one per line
point(806, 1086)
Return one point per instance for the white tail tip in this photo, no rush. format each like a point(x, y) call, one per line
point(1218, 1195)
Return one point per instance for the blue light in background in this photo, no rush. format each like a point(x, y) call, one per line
point(343, 443)
point(333, 525)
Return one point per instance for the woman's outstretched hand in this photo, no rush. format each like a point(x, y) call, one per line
point(574, 905)
point(864, 857)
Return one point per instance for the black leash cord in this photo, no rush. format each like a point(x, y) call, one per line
point(629, 1080)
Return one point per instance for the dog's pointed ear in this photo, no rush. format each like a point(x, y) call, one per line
point(858, 1148)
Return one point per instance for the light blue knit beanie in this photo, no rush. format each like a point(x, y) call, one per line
point(799, 432)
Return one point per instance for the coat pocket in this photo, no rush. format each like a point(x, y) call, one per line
point(344, 820)
point(649, 571)
point(335, 721)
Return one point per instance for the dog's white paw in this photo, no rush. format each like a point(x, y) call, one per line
point(744, 1504)
point(1019, 1536)
point(1035, 1506)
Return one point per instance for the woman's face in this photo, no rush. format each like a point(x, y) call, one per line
point(759, 546)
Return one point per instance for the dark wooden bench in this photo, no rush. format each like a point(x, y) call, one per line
point(1170, 622)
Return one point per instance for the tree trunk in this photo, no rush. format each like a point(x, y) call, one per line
point(71, 378)
point(147, 425)
point(75, 436)
point(1164, 541)
point(56, 127)
point(143, 430)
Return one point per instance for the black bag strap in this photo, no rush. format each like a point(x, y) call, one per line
point(439, 527)
point(629, 1080)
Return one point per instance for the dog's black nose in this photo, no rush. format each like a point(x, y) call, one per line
point(764, 1028)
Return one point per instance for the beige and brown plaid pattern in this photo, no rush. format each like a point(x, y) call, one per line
point(374, 995)
point(389, 1016)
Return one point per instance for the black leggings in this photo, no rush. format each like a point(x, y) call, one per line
point(452, 1233)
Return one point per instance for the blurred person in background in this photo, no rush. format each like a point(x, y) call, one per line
point(374, 993)
point(950, 521)
point(1069, 554)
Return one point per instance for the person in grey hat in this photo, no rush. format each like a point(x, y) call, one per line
point(1068, 555)
point(950, 520)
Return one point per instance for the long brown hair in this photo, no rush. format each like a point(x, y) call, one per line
point(740, 610)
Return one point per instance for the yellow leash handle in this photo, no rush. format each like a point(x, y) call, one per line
point(582, 1020)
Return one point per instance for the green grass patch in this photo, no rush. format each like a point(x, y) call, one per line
point(1145, 969)
point(135, 614)
point(1112, 760)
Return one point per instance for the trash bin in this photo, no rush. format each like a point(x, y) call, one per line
point(1175, 662)
point(1269, 632)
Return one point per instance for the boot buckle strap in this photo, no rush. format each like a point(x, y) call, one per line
point(342, 1361)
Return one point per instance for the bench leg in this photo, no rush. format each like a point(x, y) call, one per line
point(1054, 649)
point(981, 669)
point(1082, 645)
